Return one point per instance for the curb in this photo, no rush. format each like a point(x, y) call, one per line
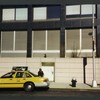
point(79, 89)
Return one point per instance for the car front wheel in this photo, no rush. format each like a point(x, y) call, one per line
point(29, 87)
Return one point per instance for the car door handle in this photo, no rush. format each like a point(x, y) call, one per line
point(24, 79)
point(10, 78)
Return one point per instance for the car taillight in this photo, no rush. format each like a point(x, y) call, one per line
point(46, 80)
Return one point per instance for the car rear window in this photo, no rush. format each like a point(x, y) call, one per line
point(33, 74)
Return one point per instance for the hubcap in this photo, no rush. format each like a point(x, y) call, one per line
point(29, 86)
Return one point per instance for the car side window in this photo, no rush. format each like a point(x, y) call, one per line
point(27, 75)
point(20, 75)
point(8, 75)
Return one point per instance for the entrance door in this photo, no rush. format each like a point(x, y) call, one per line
point(48, 72)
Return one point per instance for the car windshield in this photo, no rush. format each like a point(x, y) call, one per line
point(8, 75)
point(33, 74)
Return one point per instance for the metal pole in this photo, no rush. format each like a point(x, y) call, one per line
point(94, 83)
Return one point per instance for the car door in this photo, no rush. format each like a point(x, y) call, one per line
point(20, 79)
point(7, 80)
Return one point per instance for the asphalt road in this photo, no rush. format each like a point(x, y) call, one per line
point(51, 94)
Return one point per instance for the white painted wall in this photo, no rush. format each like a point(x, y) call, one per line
point(65, 68)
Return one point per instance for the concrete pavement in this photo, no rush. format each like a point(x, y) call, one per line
point(80, 86)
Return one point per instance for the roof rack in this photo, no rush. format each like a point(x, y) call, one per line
point(20, 68)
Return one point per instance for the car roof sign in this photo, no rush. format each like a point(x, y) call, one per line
point(20, 68)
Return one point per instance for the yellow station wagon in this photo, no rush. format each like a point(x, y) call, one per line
point(19, 78)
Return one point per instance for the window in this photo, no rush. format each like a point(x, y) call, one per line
point(87, 9)
point(8, 14)
point(39, 40)
point(13, 43)
point(44, 13)
point(7, 40)
point(79, 11)
point(72, 39)
point(73, 10)
point(8, 75)
point(28, 75)
point(20, 75)
point(21, 40)
point(39, 13)
point(78, 42)
point(14, 40)
point(53, 40)
point(15, 14)
point(86, 39)
point(21, 14)
point(53, 12)
point(46, 42)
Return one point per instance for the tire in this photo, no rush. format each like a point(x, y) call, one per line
point(28, 87)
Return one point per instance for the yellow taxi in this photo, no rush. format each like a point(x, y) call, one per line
point(20, 77)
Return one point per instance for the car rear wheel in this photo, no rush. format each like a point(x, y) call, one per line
point(29, 87)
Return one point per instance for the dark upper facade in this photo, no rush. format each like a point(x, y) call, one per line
point(57, 22)
point(45, 2)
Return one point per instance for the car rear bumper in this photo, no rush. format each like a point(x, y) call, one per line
point(43, 84)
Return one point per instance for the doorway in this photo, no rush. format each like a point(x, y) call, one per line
point(48, 69)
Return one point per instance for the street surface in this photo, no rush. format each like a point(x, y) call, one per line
point(51, 94)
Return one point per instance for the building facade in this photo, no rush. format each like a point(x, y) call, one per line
point(57, 29)
point(53, 29)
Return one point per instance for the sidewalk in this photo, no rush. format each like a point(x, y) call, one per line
point(80, 86)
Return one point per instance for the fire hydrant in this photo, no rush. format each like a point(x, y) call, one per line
point(73, 82)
